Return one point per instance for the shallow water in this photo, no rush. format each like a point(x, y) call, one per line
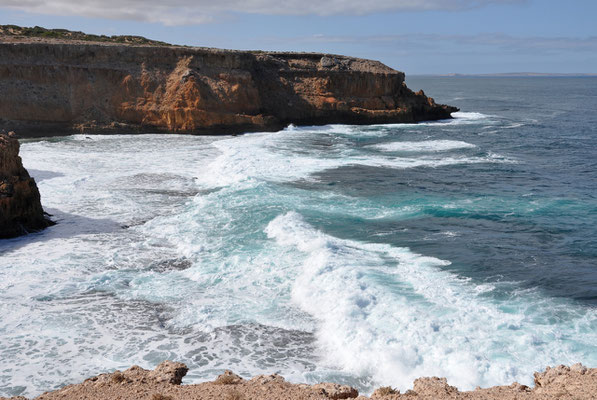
point(368, 255)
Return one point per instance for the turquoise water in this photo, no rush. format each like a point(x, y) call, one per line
point(368, 255)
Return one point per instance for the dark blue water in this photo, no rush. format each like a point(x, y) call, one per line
point(553, 243)
point(533, 221)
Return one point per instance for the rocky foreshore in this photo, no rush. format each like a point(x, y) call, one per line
point(54, 86)
point(20, 206)
point(165, 383)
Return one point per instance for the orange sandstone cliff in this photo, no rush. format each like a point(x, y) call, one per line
point(52, 86)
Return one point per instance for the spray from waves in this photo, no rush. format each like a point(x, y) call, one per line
point(392, 315)
point(424, 146)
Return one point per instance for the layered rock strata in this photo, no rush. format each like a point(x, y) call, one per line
point(62, 87)
point(164, 383)
point(20, 206)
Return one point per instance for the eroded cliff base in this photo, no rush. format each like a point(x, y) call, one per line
point(164, 383)
point(20, 206)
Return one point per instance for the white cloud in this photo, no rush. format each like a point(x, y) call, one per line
point(181, 12)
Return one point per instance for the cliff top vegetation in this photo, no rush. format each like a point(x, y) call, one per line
point(65, 34)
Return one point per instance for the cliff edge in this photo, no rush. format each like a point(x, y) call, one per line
point(20, 206)
point(164, 383)
point(54, 86)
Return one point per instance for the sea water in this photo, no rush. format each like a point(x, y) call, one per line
point(365, 255)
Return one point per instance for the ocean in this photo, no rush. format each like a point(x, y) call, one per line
point(364, 255)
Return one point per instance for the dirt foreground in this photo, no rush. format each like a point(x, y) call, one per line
point(164, 383)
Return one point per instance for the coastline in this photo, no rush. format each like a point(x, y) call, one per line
point(54, 87)
point(165, 383)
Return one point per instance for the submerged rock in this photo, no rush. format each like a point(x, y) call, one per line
point(20, 206)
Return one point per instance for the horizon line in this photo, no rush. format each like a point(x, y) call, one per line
point(512, 74)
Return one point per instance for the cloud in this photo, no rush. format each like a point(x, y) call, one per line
point(182, 12)
point(488, 42)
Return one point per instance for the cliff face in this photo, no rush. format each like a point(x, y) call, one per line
point(20, 207)
point(58, 87)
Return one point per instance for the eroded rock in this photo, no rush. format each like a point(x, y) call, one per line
point(266, 379)
point(228, 378)
point(335, 391)
point(20, 205)
point(327, 62)
point(434, 386)
point(169, 372)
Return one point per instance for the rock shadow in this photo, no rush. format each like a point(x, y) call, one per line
point(41, 175)
point(66, 226)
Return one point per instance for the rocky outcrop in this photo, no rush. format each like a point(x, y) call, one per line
point(20, 207)
point(52, 86)
point(164, 383)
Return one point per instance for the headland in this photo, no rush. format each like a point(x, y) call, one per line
point(60, 82)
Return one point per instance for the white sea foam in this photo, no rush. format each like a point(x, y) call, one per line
point(280, 157)
point(458, 118)
point(400, 319)
point(469, 116)
point(424, 146)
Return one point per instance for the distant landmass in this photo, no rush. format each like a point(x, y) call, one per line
point(514, 74)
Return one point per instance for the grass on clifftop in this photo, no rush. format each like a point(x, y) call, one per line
point(38, 31)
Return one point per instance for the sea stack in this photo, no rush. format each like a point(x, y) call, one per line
point(20, 206)
point(53, 86)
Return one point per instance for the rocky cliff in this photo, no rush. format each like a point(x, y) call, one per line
point(52, 86)
point(20, 207)
point(164, 383)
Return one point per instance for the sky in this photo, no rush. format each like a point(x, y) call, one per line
point(415, 36)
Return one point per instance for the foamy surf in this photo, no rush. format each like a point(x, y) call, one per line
point(392, 315)
point(424, 146)
point(469, 116)
point(458, 118)
point(280, 157)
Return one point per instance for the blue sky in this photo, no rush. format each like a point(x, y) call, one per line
point(415, 36)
